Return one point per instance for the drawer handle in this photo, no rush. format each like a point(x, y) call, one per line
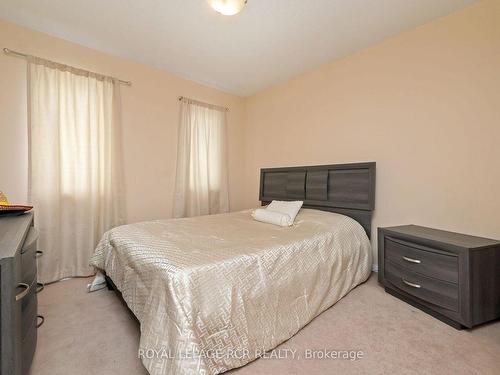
point(412, 260)
point(39, 287)
point(24, 293)
point(411, 284)
point(42, 320)
point(39, 253)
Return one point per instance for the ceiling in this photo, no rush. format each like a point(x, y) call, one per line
point(267, 43)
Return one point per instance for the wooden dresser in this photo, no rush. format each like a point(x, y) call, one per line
point(452, 276)
point(18, 296)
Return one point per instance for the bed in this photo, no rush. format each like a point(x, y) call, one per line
point(215, 292)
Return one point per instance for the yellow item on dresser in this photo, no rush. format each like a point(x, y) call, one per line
point(3, 200)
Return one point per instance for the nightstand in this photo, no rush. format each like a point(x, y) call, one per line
point(454, 277)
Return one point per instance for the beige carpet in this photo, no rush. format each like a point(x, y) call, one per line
point(94, 334)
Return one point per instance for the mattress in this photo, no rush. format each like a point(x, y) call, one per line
point(215, 292)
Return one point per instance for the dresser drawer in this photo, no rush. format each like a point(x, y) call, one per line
point(437, 292)
point(28, 311)
point(30, 240)
point(422, 260)
point(28, 346)
point(28, 257)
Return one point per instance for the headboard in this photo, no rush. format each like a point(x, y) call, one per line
point(347, 189)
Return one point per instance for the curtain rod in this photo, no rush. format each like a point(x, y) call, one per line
point(203, 103)
point(23, 55)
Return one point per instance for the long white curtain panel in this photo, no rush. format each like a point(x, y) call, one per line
point(201, 177)
point(76, 182)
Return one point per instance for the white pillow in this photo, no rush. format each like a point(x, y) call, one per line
point(288, 208)
point(271, 217)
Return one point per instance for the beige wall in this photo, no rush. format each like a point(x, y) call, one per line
point(424, 105)
point(150, 121)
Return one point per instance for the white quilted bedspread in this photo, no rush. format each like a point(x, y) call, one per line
point(214, 292)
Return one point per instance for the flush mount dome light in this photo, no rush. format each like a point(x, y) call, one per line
point(227, 7)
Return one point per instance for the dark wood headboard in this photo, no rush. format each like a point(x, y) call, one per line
point(347, 189)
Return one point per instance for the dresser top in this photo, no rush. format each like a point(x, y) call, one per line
point(13, 231)
point(452, 238)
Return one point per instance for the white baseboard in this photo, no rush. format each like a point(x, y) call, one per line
point(375, 268)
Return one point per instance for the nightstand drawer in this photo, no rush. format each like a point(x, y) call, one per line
point(422, 260)
point(437, 292)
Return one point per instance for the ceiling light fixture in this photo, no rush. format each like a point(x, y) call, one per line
point(227, 7)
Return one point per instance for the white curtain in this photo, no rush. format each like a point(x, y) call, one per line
point(75, 164)
point(201, 178)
